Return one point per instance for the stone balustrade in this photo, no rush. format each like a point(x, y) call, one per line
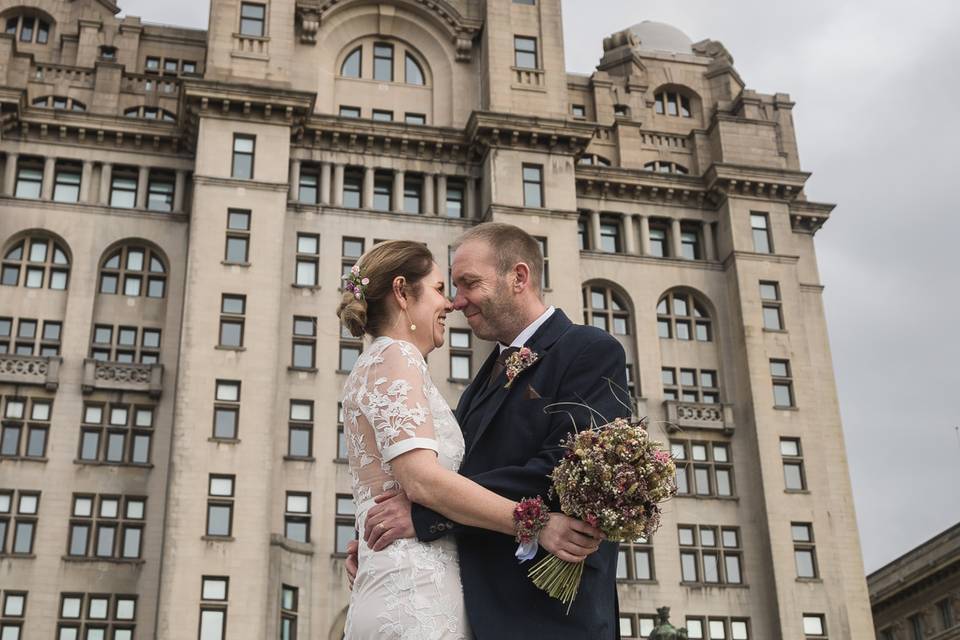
point(122, 376)
point(697, 415)
point(31, 370)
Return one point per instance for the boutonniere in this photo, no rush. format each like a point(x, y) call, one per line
point(518, 362)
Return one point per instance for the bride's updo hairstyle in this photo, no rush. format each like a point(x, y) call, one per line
point(382, 265)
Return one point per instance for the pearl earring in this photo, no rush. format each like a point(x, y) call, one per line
point(413, 327)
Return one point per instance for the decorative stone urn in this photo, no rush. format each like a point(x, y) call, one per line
point(664, 630)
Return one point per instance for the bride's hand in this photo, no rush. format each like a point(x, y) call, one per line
point(388, 520)
point(570, 539)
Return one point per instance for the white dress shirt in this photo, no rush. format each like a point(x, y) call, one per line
point(531, 329)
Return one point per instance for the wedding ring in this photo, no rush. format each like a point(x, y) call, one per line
point(380, 525)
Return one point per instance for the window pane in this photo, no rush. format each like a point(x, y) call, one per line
point(105, 536)
point(804, 559)
point(813, 625)
point(414, 75)
point(299, 442)
point(345, 533)
point(733, 568)
point(771, 318)
point(782, 396)
point(790, 447)
point(688, 563)
point(211, 625)
point(460, 367)
point(214, 589)
point(641, 563)
point(711, 570)
point(78, 539)
point(131, 543)
point(723, 483)
point(351, 65)
point(218, 520)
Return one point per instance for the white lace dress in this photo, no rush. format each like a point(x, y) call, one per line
point(411, 590)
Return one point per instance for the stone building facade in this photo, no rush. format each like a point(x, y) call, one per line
point(917, 596)
point(178, 206)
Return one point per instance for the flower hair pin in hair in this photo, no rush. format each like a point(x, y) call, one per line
point(355, 283)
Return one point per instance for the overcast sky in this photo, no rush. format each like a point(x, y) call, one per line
point(875, 102)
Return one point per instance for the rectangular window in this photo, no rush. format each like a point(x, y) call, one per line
point(24, 506)
point(804, 552)
point(289, 597)
point(66, 182)
point(352, 249)
point(382, 115)
point(352, 188)
point(525, 52)
point(152, 64)
point(103, 526)
point(635, 561)
point(658, 241)
point(461, 355)
point(160, 191)
point(583, 233)
point(29, 179)
point(226, 410)
point(26, 424)
point(342, 452)
point(123, 187)
point(760, 224)
point(609, 235)
point(345, 523)
point(100, 616)
point(578, 111)
point(237, 249)
point(793, 473)
point(772, 306)
point(296, 519)
point(710, 555)
point(780, 373)
point(300, 441)
point(188, 67)
point(304, 342)
point(253, 17)
point(413, 194)
point(243, 153)
point(349, 112)
point(232, 318)
point(308, 260)
point(532, 185)
point(415, 118)
point(308, 189)
point(545, 281)
point(116, 433)
point(690, 243)
point(813, 625)
point(214, 591)
point(383, 62)
point(455, 198)
point(382, 190)
point(703, 468)
point(220, 505)
point(693, 385)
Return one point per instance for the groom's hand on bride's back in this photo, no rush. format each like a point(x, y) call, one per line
point(570, 539)
point(388, 520)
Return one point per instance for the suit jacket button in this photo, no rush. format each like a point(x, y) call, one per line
point(433, 528)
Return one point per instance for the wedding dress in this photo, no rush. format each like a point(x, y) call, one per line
point(411, 590)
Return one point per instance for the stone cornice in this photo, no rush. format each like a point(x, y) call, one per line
point(733, 180)
point(634, 185)
point(736, 256)
point(683, 263)
point(355, 135)
point(494, 209)
point(486, 130)
point(808, 217)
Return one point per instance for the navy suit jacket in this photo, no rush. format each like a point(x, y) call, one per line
point(515, 448)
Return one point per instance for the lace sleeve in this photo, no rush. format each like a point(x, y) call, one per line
point(395, 404)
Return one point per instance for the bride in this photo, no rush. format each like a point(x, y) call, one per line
point(402, 435)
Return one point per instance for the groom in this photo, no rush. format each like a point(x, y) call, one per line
point(512, 444)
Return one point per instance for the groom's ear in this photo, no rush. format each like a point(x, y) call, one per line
point(521, 276)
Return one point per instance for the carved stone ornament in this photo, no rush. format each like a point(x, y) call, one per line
point(664, 630)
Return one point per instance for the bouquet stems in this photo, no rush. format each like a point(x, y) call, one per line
point(559, 578)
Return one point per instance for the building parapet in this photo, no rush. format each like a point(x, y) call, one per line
point(697, 415)
point(122, 376)
point(32, 370)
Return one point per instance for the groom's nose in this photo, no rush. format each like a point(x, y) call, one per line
point(459, 301)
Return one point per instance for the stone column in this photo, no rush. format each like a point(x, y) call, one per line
point(85, 178)
point(49, 167)
point(399, 180)
point(179, 185)
point(325, 183)
point(369, 174)
point(709, 251)
point(337, 189)
point(676, 247)
point(469, 198)
point(595, 230)
point(644, 235)
point(441, 194)
point(142, 180)
point(630, 242)
point(294, 195)
point(106, 174)
point(428, 197)
point(10, 174)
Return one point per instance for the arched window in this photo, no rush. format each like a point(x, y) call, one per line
point(28, 28)
point(414, 72)
point(352, 66)
point(41, 261)
point(672, 103)
point(59, 102)
point(662, 166)
point(137, 269)
point(682, 317)
point(607, 309)
point(150, 113)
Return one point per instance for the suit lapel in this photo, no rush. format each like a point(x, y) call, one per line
point(492, 398)
point(475, 388)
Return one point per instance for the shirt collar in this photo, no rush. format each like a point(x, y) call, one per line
point(531, 329)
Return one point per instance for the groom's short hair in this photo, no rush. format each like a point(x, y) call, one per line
point(510, 245)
